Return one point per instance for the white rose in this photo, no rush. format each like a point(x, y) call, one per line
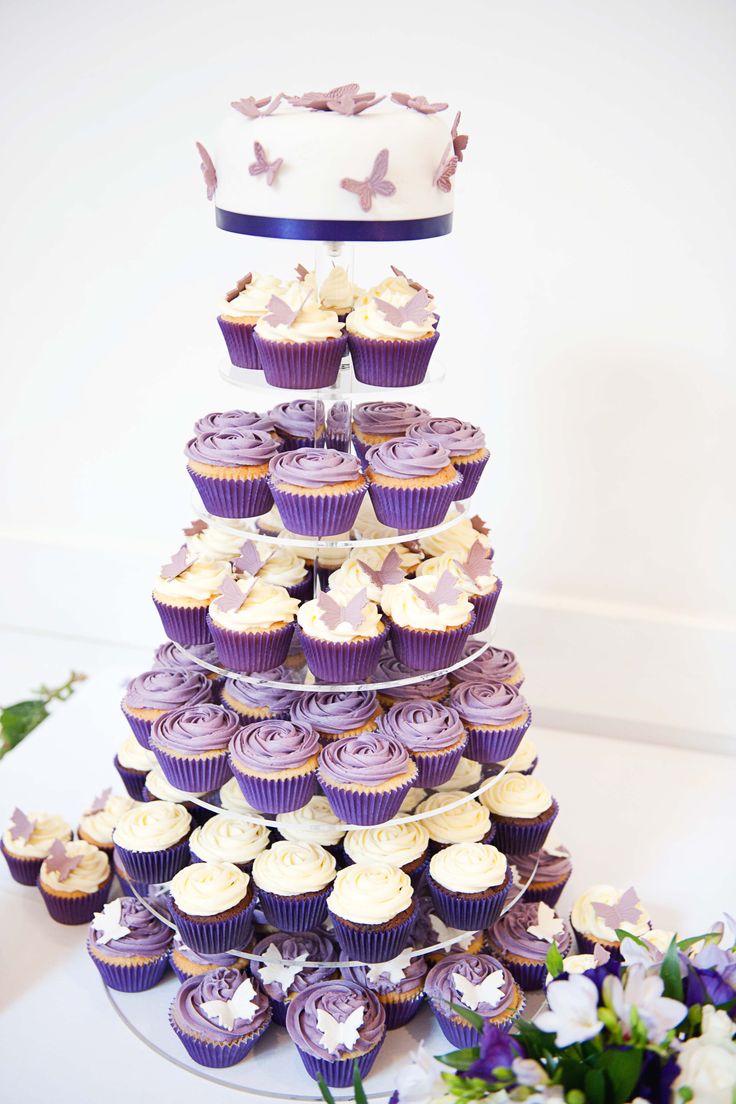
point(708, 1063)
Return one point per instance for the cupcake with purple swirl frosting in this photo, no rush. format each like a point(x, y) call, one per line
point(170, 658)
point(282, 976)
point(496, 717)
point(466, 444)
point(390, 668)
point(229, 468)
point(187, 963)
point(398, 984)
point(379, 421)
point(549, 870)
point(153, 693)
point(432, 733)
point(300, 423)
point(213, 1035)
point(365, 778)
point(328, 1053)
point(493, 665)
point(522, 938)
point(412, 483)
point(128, 945)
point(255, 701)
point(337, 713)
point(318, 492)
point(191, 746)
point(275, 763)
point(477, 982)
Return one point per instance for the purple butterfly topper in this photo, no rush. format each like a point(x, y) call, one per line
point(626, 909)
point(301, 272)
point(179, 563)
point(389, 571)
point(280, 313)
point(255, 109)
point(262, 165)
point(417, 103)
point(600, 955)
point(479, 525)
point(412, 283)
point(446, 593)
point(195, 528)
point(459, 141)
point(333, 614)
point(445, 171)
point(346, 99)
point(100, 801)
point(249, 560)
point(232, 594)
point(208, 170)
point(21, 826)
point(477, 562)
point(240, 286)
point(375, 185)
point(415, 310)
point(58, 862)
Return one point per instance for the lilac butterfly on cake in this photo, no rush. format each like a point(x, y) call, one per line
point(374, 185)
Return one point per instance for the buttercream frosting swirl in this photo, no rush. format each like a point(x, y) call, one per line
point(273, 745)
point(423, 726)
point(159, 787)
point(201, 581)
point(523, 757)
point(488, 704)
point(352, 576)
point(315, 822)
point(370, 893)
point(209, 888)
point(407, 458)
point(231, 798)
point(152, 826)
point(217, 544)
point(171, 658)
point(336, 712)
point(442, 989)
point(147, 935)
point(99, 825)
point(458, 437)
point(233, 419)
point(398, 844)
point(194, 729)
point(227, 837)
point(367, 759)
point(232, 448)
point(283, 568)
point(544, 866)
point(468, 867)
point(188, 1006)
point(510, 934)
point(518, 796)
point(314, 468)
point(337, 290)
point(299, 417)
point(466, 823)
point(290, 869)
point(133, 756)
point(586, 919)
point(312, 323)
point(87, 876)
point(253, 300)
point(387, 419)
point(167, 689)
point(484, 583)
point(264, 606)
point(47, 827)
point(368, 320)
point(494, 665)
point(389, 668)
point(311, 620)
point(317, 946)
point(457, 539)
point(253, 695)
point(404, 604)
point(466, 776)
point(339, 999)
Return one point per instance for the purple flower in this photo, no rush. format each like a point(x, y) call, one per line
point(497, 1050)
point(706, 987)
point(656, 1080)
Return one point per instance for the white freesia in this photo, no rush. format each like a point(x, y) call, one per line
point(419, 1081)
point(708, 1063)
point(572, 1015)
point(643, 993)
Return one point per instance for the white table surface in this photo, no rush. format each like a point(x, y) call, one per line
point(657, 817)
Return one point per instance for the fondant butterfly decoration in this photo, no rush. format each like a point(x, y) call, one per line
point(249, 560)
point(232, 594)
point(443, 933)
point(489, 991)
point(333, 614)
point(241, 1006)
point(375, 185)
point(479, 525)
point(100, 801)
point(107, 923)
point(280, 313)
point(445, 593)
point(459, 141)
point(548, 924)
point(262, 165)
point(301, 272)
point(600, 955)
point(394, 969)
point(21, 826)
point(346, 99)
point(208, 170)
point(240, 286)
point(389, 571)
point(417, 103)
point(276, 968)
point(179, 562)
point(336, 1034)
point(415, 310)
point(195, 527)
point(58, 862)
point(252, 108)
point(412, 283)
point(626, 909)
point(445, 171)
point(477, 562)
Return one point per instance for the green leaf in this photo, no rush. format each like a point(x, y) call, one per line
point(622, 1069)
point(459, 1059)
point(555, 964)
point(360, 1097)
point(707, 937)
point(622, 934)
point(472, 1018)
point(669, 971)
point(326, 1094)
point(595, 1087)
point(20, 719)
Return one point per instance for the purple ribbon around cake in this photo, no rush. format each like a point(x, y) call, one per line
point(298, 418)
point(232, 448)
point(167, 689)
point(147, 936)
point(422, 725)
point(488, 703)
point(339, 999)
point(194, 729)
point(337, 711)
point(274, 745)
point(392, 668)
point(387, 418)
point(173, 659)
point(407, 458)
point(413, 977)
point(369, 758)
point(494, 665)
point(279, 699)
point(317, 946)
point(459, 438)
point(218, 985)
point(314, 468)
point(510, 936)
point(233, 419)
point(440, 987)
point(549, 868)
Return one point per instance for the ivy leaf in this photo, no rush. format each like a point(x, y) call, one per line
point(472, 1018)
point(669, 971)
point(360, 1097)
point(555, 964)
point(326, 1094)
point(622, 1069)
point(20, 719)
point(460, 1059)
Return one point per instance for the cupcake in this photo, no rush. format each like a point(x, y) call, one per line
point(336, 1026)
point(469, 883)
point(275, 764)
point(318, 491)
point(392, 337)
point(128, 945)
point(315, 822)
point(366, 777)
point(458, 538)
point(523, 761)
point(300, 345)
point(282, 968)
point(597, 913)
point(293, 882)
point(187, 963)
point(392, 670)
point(97, 823)
point(252, 623)
point(477, 982)
point(466, 444)
point(398, 984)
point(523, 811)
point(342, 636)
point(227, 837)
point(74, 881)
point(371, 569)
point(522, 938)
point(403, 845)
point(300, 423)
point(229, 468)
point(133, 762)
point(432, 733)
point(411, 482)
point(336, 713)
point(240, 310)
point(154, 693)
point(493, 665)
point(337, 292)
point(466, 776)
point(212, 905)
point(372, 910)
point(191, 746)
point(219, 1017)
point(496, 717)
point(257, 701)
point(549, 870)
point(379, 421)
point(151, 841)
point(430, 619)
point(27, 841)
point(473, 573)
point(182, 593)
point(455, 818)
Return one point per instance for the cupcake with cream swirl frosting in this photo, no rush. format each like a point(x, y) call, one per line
point(404, 845)
point(293, 881)
point(523, 810)
point(392, 337)
point(591, 926)
point(341, 635)
point(465, 822)
point(318, 491)
point(74, 881)
point(255, 634)
point(473, 573)
point(182, 598)
point(151, 840)
point(315, 822)
point(430, 620)
point(239, 313)
point(227, 837)
point(469, 883)
point(372, 909)
point(300, 344)
point(212, 905)
point(27, 841)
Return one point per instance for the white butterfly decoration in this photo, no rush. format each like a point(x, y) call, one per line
point(336, 1034)
point(444, 933)
point(241, 1006)
point(393, 969)
point(552, 846)
point(276, 968)
point(548, 925)
point(489, 991)
point(107, 923)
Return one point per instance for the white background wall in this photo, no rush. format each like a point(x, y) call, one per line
point(587, 300)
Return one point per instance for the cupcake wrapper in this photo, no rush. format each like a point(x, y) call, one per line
point(522, 839)
point(391, 363)
point(75, 910)
point(338, 1074)
point(278, 1011)
point(365, 807)
point(376, 944)
point(240, 344)
point(197, 776)
point(301, 365)
point(292, 443)
point(588, 946)
point(528, 977)
point(216, 1055)
point(359, 448)
point(141, 729)
point(462, 1035)
point(233, 498)
point(318, 515)
point(412, 507)
point(550, 894)
point(303, 590)
point(293, 914)
point(352, 661)
point(276, 795)
point(466, 913)
point(430, 650)
point(153, 867)
point(133, 780)
point(400, 1013)
point(211, 936)
point(484, 606)
point(436, 769)
point(251, 651)
point(417, 875)
point(495, 745)
point(131, 979)
point(184, 625)
point(23, 871)
point(471, 473)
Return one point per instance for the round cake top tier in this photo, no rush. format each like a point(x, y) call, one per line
point(341, 165)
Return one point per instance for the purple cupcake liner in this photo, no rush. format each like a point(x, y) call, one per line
point(233, 498)
point(75, 910)
point(304, 590)
point(131, 979)
point(276, 795)
point(141, 728)
point(462, 1035)
point(400, 1013)
point(185, 626)
point(209, 935)
point(133, 780)
point(522, 839)
point(550, 894)
point(318, 515)
point(153, 867)
point(129, 885)
point(412, 507)
point(468, 913)
point(528, 976)
point(195, 775)
point(301, 365)
point(433, 770)
point(291, 443)
point(338, 1073)
point(471, 473)
point(251, 651)
point(23, 871)
point(378, 944)
point(352, 661)
point(359, 448)
point(425, 650)
point(588, 946)
point(294, 914)
point(391, 363)
point(241, 347)
point(366, 807)
point(279, 1009)
point(216, 1055)
point(494, 745)
point(485, 605)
